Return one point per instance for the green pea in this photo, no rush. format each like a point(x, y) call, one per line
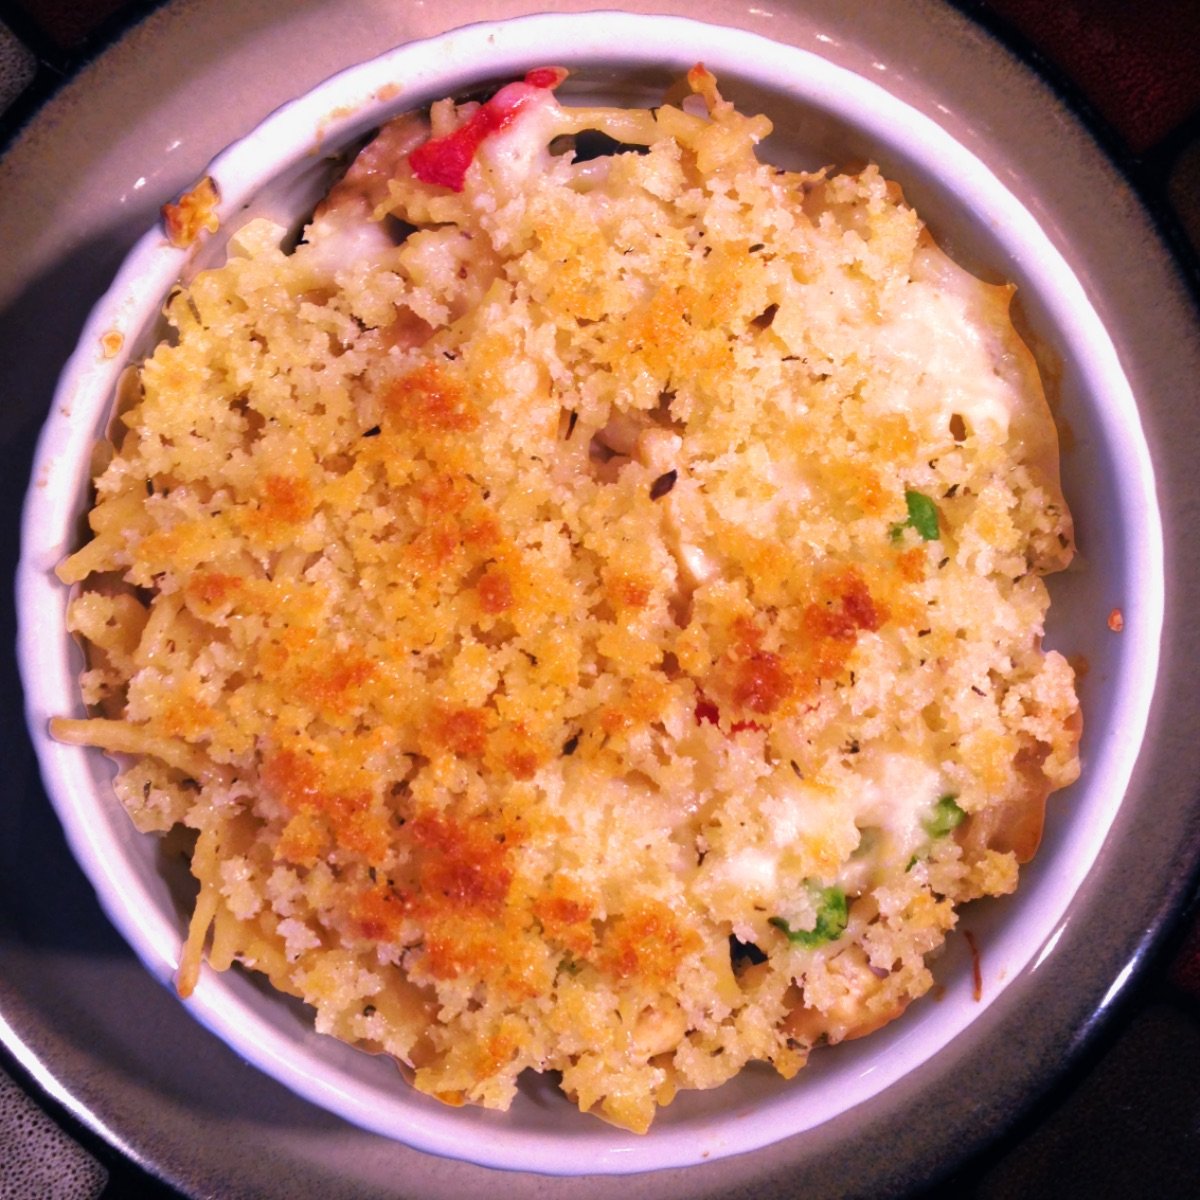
point(946, 817)
point(832, 915)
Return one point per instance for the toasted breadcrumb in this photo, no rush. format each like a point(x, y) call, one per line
point(600, 632)
point(195, 212)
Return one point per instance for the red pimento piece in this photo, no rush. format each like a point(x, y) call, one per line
point(444, 161)
point(546, 77)
point(706, 710)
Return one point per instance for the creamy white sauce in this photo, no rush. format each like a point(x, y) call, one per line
point(754, 870)
point(520, 150)
point(952, 361)
point(895, 793)
point(342, 238)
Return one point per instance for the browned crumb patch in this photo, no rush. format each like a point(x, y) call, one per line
point(194, 213)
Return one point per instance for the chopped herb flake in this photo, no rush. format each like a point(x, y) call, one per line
point(663, 484)
point(922, 515)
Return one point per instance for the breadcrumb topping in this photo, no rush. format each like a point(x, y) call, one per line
point(194, 213)
point(598, 632)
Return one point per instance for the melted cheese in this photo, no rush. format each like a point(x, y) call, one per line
point(342, 238)
point(950, 360)
point(895, 793)
point(521, 150)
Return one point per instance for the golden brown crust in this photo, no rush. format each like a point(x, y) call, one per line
point(630, 575)
point(194, 213)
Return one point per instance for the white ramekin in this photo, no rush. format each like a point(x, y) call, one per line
point(822, 113)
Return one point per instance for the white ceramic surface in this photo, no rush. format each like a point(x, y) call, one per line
point(823, 113)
